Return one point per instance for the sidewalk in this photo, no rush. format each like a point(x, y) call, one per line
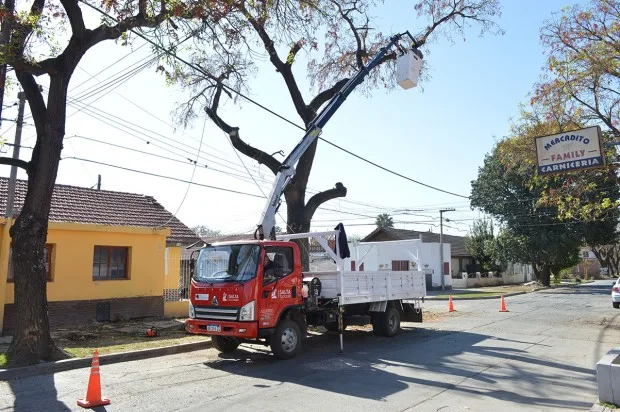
point(116, 341)
point(490, 292)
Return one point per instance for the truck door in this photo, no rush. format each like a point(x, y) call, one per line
point(280, 284)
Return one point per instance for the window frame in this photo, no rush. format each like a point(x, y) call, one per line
point(270, 249)
point(48, 270)
point(109, 250)
point(397, 265)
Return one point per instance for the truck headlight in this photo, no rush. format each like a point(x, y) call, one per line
point(192, 312)
point(247, 311)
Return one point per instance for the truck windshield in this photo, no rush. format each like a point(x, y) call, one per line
point(232, 263)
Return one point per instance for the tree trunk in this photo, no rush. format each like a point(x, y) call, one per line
point(542, 273)
point(32, 341)
point(545, 275)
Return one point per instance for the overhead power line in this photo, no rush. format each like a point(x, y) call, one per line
point(237, 92)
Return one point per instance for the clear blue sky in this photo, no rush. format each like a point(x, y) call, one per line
point(439, 135)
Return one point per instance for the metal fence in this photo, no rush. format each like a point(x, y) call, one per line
point(176, 276)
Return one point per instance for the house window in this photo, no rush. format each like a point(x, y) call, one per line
point(400, 265)
point(110, 263)
point(47, 256)
point(585, 254)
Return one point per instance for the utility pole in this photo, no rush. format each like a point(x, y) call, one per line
point(441, 212)
point(18, 141)
point(5, 37)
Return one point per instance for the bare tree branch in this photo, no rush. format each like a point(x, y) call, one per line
point(318, 199)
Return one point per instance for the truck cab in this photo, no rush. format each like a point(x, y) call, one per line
point(248, 291)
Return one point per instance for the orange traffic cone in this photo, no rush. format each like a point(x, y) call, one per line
point(93, 393)
point(502, 305)
point(451, 305)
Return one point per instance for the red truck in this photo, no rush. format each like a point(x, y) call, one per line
point(255, 290)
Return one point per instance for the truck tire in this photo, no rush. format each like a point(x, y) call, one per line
point(224, 344)
point(390, 322)
point(616, 305)
point(286, 340)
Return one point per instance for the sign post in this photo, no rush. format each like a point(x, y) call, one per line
point(570, 151)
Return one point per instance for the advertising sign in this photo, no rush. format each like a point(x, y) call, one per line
point(570, 151)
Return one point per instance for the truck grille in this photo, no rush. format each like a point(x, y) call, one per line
point(216, 313)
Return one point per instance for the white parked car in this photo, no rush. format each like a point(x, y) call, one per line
point(615, 294)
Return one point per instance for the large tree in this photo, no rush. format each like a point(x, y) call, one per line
point(536, 230)
point(36, 45)
point(583, 76)
point(350, 42)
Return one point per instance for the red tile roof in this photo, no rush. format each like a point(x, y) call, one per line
point(103, 207)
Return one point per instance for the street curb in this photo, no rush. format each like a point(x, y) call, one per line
point(77, 363)
point(454, 297)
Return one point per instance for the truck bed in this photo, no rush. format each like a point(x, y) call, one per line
point(366, 287)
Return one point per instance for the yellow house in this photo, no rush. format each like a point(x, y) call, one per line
point(110, 256)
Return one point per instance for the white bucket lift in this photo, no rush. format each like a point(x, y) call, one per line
point(408, 67)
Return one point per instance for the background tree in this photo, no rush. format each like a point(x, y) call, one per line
point(483, 246)
point(535, 229)
point(203, 231)
point(583, 76)
point(38, 45)
point(384, 221)
point(349, 43)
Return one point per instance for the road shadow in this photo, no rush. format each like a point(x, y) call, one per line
point(424, 360)
point(37, 394)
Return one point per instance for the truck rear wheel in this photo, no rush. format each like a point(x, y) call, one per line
point(286, 340)
point(224, 344)
point(386, 323)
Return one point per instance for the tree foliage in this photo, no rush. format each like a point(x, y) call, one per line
point(384, 221)
point(286, 30)
point(535, 229)
point(203, 231)
point(482, 244)
point(583, 65)
point(49, 38)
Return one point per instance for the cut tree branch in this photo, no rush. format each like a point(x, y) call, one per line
point(233, 132)
point(318, 199)
point(325, 96)
point(15, 162)
point(293, 52)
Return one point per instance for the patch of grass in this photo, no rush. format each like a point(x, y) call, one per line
point(86, 350)
point(609, 405)
point(3, 360)
point(468, 295)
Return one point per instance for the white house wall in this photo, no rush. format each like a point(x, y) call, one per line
point(381, 254)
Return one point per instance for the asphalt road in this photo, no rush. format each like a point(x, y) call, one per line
point(540, 356)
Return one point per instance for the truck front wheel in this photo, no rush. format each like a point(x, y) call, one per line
point(286, 340)
point(224, 344)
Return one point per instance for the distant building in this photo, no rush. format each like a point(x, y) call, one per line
point(461, 261)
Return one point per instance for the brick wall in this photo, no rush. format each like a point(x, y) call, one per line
point(81, 312)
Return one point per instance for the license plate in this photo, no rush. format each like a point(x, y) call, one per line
point(214, 328)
